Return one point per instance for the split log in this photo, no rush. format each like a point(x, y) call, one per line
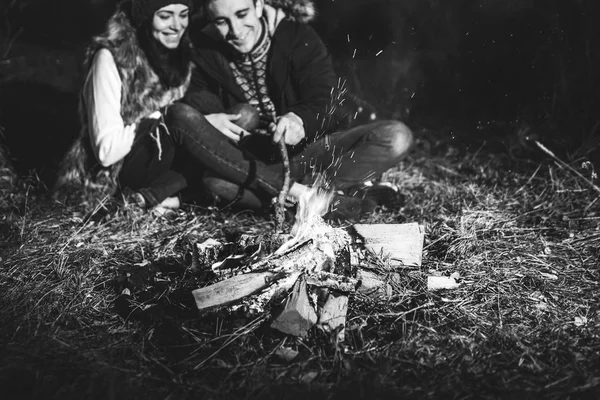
point(233, 289)
point(298, 315)
point(333, 314)
point(402, 242)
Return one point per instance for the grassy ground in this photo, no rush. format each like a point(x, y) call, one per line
point(521, 230)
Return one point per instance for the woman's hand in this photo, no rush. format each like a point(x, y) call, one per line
point(291, 125)
point(223, 122)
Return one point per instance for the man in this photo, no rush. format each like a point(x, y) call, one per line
point(263, 75)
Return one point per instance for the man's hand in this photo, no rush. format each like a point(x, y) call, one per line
point(291, 125)
point(155, 115)
point(223, 122)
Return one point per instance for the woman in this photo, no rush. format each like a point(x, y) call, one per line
point(136, 69)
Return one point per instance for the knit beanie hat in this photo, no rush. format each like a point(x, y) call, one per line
point(141, 10)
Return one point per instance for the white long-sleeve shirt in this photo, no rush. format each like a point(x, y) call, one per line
point(111, 139)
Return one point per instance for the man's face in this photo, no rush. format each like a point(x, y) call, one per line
point(238, 22)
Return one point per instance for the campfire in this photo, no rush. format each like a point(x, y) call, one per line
point(303, 278)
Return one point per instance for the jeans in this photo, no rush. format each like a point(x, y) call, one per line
point(354, 156)
point(347, 158)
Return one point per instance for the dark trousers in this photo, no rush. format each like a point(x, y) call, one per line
point(156, 178)
point(347, 158)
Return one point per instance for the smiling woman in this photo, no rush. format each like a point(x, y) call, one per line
point(169, 23)
point(137, 68)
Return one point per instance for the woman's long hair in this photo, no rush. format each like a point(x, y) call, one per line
point(171, 65)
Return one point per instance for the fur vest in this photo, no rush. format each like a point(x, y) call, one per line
point(81, 178)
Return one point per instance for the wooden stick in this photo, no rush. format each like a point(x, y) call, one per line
point(283, 194)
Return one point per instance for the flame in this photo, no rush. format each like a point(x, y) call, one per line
point(309, 225)
point(312, 205)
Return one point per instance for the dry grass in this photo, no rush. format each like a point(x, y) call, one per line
point(524, 323)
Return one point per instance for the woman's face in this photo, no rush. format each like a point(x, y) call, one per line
point(169, 23)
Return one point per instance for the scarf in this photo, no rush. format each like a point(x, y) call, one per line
point(250, 73)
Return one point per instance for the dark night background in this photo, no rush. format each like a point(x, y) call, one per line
point(477, 70)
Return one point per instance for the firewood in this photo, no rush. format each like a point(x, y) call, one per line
point(333, 314)
point(402, 242)
point(275, 293)
point(312, 255)
point(285, 259)
point(298, 315)
point(332, 281)
point(303, 257)
point(270, 241)
point(233, 289)
point(300, 258)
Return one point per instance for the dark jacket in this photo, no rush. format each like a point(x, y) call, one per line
point(300, 76)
